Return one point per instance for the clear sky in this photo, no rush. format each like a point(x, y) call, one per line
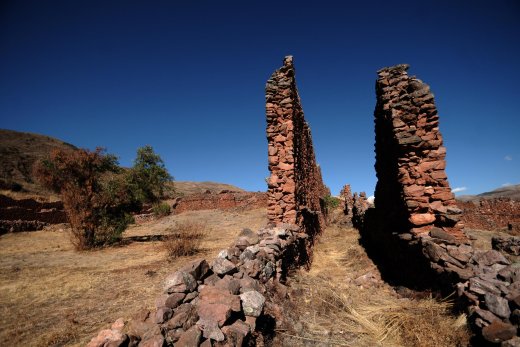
point(188, 78)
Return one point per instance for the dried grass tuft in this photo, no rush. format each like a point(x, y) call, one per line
point(185, 239)
point(332, 310)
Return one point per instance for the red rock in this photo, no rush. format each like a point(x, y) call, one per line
point(110, 337)
point(498, 331)
point(422, 219)
point(190, 338)
point(214, 295)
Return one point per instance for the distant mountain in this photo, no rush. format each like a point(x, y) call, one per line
point(18, 153)
point(511, 192)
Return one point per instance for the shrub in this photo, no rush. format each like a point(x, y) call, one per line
point(94, 200)
point(148, 177)
point(185, 239)
point(331, 202)
point(162, 209)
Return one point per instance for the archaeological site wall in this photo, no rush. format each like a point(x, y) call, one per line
point(415, 228)
point(233, 299)
point(222, 201)
point(29, 214)
point(295, 186)
point(492, 214)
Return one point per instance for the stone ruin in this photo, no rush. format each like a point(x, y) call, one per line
point(412, 186)
point(295, 186)
point(492, 214)
point(232, 300)
point(347, 200)
point(224, 200)
point(29, 214)
point(415, 228)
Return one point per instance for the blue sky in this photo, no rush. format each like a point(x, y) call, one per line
point(188, 77)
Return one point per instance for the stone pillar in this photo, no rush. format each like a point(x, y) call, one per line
point(295, 185)
point(412, 189)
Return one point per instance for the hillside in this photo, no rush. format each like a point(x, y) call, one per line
point(189, 188)
point(19, 151)
point(511, 192)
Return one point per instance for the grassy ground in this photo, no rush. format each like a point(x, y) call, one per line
point(342, 301)
point(53, 295)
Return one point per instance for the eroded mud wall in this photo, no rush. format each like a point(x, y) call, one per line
point(295, 185)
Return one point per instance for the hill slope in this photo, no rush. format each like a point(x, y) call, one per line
point(18, 153)
point(511, 192)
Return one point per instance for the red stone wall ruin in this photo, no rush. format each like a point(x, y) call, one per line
point(221, 201)
point(492, 214)
point(29, 214)
point(295, 186)
point(412, 185)
point(415, 229)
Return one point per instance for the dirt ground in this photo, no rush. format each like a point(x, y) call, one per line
point(342, 301)
point(52, 295)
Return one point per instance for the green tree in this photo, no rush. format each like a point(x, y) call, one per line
point(148, 177)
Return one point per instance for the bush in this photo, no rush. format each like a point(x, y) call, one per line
point(185, 239)
point(148, 177)
point(94, 198)
point(331, 202)
point(162, 209)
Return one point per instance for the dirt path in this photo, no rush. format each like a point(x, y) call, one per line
point(53, 295)
point(342, 301)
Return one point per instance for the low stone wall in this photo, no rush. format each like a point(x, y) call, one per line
point(492, 214)
point(29, 214)
point(230, 301)
point(221, 201)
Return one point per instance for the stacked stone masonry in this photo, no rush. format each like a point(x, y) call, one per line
point(29, 214)
point(222, 303)
point(223, 200)
point(295, 186)
point(410, 156)
point(492, 214)
point(416, 207)
point(347, 200)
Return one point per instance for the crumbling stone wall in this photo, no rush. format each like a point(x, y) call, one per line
point(415, 226)
point(29, 214)
point(295, 185)
point(347, 200)
point(492, 214)
point(230, 301)
point(412, 184)
point(222, 201)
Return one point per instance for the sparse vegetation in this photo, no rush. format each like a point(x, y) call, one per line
point(148, 177)
point(185, 239)
point(331, 202)
point(332, 309)
point(161, 209)
point(96, 204)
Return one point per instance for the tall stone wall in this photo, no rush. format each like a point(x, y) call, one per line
point(295, 186)
point(412, 187)
point(414, 230)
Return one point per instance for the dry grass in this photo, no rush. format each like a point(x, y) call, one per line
point(53, 295)
point(185, 239)
point(333, 308)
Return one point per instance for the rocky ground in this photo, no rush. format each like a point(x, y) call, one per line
point(53, 295)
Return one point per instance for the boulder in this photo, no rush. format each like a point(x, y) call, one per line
point(252, 303)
